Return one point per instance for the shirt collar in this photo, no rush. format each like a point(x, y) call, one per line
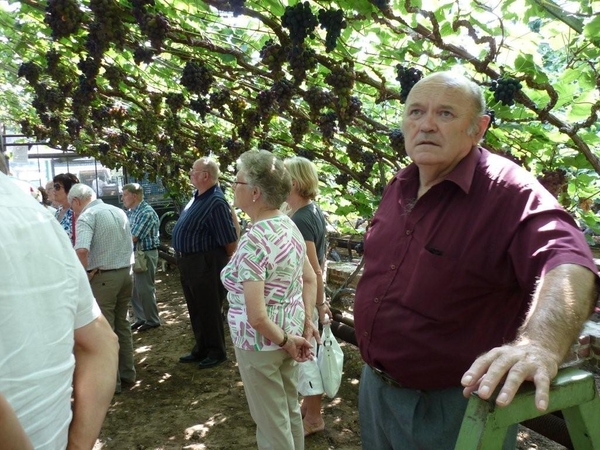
point(461, 175)
point(206, 193)
point(138, 206)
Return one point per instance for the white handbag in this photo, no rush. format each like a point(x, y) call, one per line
point(330, 360)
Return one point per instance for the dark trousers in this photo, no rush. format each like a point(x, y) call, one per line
point(204, 294)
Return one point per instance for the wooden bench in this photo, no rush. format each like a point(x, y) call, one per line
point(573, 392)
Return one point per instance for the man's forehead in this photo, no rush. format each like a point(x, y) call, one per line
point(437, 91)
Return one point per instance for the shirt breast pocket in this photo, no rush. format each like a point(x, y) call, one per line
point(431, 286)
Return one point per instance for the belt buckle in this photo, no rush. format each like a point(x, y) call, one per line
point(387, 379)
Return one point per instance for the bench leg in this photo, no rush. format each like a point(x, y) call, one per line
point(478, 430)
point(583, 422)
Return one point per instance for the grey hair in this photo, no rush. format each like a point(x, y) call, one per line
point(82, 192)
point(471, 89)
point(211, 167)
point(267, 172)
point(134, 188)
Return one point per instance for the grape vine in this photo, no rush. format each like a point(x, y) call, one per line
point(397, 142)
point(300, 21)
point(298, 128)
point(63, 17)
point(407, 77)
point(333, 22)
point(505, 89)
point(196, 77)
point(555, 181)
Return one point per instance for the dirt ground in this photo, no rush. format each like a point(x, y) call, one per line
point(178, 406)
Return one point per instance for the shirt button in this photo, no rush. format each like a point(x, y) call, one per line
point(408, 232)
point(393, 267)
point(376, 299)
point(366, 333)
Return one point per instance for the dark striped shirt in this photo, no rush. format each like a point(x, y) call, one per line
point(205, 223)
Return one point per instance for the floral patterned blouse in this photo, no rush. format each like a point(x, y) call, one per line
point(66, 221)
point(272, 251)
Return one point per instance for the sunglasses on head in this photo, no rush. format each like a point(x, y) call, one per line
point(56, 186)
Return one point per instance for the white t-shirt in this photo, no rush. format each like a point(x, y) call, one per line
point(44, 296)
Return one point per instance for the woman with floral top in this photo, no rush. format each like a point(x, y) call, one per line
point(267, 278)
point(64, 213)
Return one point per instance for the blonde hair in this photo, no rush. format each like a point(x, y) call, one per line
point(305, 173)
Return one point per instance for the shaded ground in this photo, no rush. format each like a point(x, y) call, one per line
point(178, 406)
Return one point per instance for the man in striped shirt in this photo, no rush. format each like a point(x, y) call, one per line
point(204, 238)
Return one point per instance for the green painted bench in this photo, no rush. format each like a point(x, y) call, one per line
point(573, 392)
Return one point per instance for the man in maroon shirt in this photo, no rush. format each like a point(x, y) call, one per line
point(467, 255)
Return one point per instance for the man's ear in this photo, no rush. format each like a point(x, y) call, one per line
point(483, 122)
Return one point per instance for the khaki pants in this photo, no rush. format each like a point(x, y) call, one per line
point(270, 382)
point(112, 290)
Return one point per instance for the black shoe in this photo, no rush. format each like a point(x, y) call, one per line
point(211, 362)
point(139, 323)
point(148, 326)
point(190, 359)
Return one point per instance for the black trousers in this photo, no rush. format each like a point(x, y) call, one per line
point(204, 294)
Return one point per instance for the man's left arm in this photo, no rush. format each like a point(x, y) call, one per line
point(226, 233)
point(563, 300)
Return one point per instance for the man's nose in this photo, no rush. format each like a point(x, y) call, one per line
point(427, 123)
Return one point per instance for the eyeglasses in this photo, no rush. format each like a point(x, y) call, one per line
point(56, 186)
point(235, 183)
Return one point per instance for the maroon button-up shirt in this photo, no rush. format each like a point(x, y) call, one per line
point(451, 275)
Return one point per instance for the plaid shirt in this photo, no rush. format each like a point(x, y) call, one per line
point(144, 225)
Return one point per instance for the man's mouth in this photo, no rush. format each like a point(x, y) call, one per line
point(426, 143)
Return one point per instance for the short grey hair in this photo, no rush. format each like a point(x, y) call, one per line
point(82, 192)
point(211, 167)
point(134, 188)
point(267, 172)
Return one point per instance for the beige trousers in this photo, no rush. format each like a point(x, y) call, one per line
point(270, 381)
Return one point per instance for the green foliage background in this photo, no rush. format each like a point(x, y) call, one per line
point(124, 118)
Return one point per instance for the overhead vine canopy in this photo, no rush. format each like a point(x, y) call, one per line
point(150, 86)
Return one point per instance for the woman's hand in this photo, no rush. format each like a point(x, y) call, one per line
point(298, 348)
point(324, 311)
point(311, 331)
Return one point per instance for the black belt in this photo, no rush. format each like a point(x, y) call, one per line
point(98, 270)
point(387, 379)
point(186, 254)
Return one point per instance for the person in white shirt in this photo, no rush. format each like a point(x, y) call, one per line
point(58, 355)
